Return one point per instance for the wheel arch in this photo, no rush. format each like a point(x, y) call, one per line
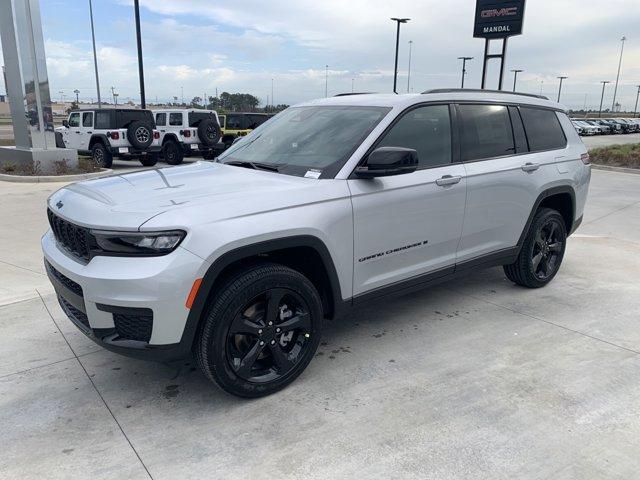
point(562, 199)
point(98, 138)
point(304, 253)
point(170, 137)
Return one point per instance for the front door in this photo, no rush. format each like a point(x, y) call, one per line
point(407, 226)
point(86, 130)
point(71, 134)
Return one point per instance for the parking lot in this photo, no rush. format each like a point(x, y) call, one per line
point(475, 378)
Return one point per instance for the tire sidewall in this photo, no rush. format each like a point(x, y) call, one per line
point(222, 314)
point(168, 147)
point(107, 160)
point(541, 219)
point(202, 129)
point(131, 134)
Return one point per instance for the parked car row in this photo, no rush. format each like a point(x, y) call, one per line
point(606, 126)
point(152, 135)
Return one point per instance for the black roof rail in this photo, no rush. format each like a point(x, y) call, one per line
point(352, 93)
point(477, 90)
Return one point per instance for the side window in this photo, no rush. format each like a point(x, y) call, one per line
point(234, 122)
point(74, 119)
point(161, 119)
point(103, 120)
point(175, 119)
point(425, 129)
point(485, 132)
point(543, 129)
point(87, 119)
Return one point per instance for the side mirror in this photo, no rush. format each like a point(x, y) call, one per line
point(65, 123)
point(387, 161)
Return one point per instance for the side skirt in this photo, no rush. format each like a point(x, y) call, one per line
point(502, 257)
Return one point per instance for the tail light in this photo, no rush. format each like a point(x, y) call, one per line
point(156, 134)
point(114, 135)
point(585, 158)
point(187, 133)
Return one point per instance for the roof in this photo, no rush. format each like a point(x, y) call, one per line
point(444, 95)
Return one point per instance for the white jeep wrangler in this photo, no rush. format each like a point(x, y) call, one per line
point(107, 133)
point(185, 132)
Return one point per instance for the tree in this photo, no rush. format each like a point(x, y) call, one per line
point(196, 101)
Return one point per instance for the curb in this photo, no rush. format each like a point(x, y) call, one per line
point(54, 178)
point(635, 171)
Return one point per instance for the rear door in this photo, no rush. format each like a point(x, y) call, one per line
point(507, 168)
point(409, 225)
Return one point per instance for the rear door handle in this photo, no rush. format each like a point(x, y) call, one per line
point(530, 167)
point(448, 180)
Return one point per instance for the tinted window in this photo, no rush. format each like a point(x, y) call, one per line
point(125, 117)
point(196, 117)
point(234, 122)
point(485, 132)
point(161, 119)
point(103, 120)
point(254, 121)
point(518, 131)
point(426, 130)
point(87, 119)
point(74, 119)
point(175, 119)
point(543, 129)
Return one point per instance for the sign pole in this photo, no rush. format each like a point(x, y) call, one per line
point(502, 61)
point(484, 62)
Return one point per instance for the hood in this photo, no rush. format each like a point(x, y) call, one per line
point(128, 201)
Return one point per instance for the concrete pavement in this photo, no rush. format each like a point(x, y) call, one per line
point(473, 379)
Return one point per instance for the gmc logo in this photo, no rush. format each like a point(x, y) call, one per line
point(502, 12)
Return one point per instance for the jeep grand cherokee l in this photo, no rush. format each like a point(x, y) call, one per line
point(331, 204)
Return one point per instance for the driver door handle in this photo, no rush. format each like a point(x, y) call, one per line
point(448, 180)
point(530, 167)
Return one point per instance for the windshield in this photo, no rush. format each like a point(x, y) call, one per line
point(300, 139)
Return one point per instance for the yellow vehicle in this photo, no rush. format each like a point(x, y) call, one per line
point(234, 125)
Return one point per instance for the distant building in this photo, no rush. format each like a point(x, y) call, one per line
point(3, 98)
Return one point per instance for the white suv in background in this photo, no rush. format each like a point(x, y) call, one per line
point(331, 204)
point(185, 132)
point(105, 134)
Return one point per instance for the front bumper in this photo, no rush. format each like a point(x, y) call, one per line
point(132, 306)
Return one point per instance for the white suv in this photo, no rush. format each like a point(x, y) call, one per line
point(105, 134)
point(185, 132)
point(331, 204)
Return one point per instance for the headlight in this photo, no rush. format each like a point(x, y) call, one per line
point(137, 243)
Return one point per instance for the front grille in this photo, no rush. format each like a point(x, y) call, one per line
point(72, 237)
point(136, 326)
point(67, 282)
point(72, 312)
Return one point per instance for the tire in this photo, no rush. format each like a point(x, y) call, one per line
point(172, 153)
point(100, 156)
point(59, 140)
point(542, 251)
point(209, 132)
point(140, 134)
point(150, 159)
point(228, 348)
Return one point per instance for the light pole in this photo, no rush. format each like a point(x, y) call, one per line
point(272, 102)
point(635, 109)
point(182, 95)
point(352, 80)
point(395, 70)
point(143, 100)
point(464, 68)
point(95, 58)
point(77, 92)
point(615, 90)
point(604, 84)
point(326, 81)
point(409, 68)
point(515, 77)
point(560, 87)
point(115, 99)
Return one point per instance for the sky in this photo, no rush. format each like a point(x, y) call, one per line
point(193, 47)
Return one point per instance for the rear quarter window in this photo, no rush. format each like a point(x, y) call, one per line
point(126, 117)
point(543, 128)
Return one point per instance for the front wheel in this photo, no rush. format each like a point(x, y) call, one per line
point(261, 331)
point(542, 251)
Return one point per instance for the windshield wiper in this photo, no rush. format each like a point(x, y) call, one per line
point(255, 165)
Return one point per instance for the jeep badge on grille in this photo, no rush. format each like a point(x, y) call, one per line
point(59, 204)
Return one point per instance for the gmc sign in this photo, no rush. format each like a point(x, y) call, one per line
point(498, 18)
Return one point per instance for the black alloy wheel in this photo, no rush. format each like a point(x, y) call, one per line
point(269, 336)
point(261, 330)
point(542, 251)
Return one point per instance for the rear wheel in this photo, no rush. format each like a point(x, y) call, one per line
point(172, 153)
point(261, 332)
point(150, 159)
point(542, 251)
point(100, 156)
